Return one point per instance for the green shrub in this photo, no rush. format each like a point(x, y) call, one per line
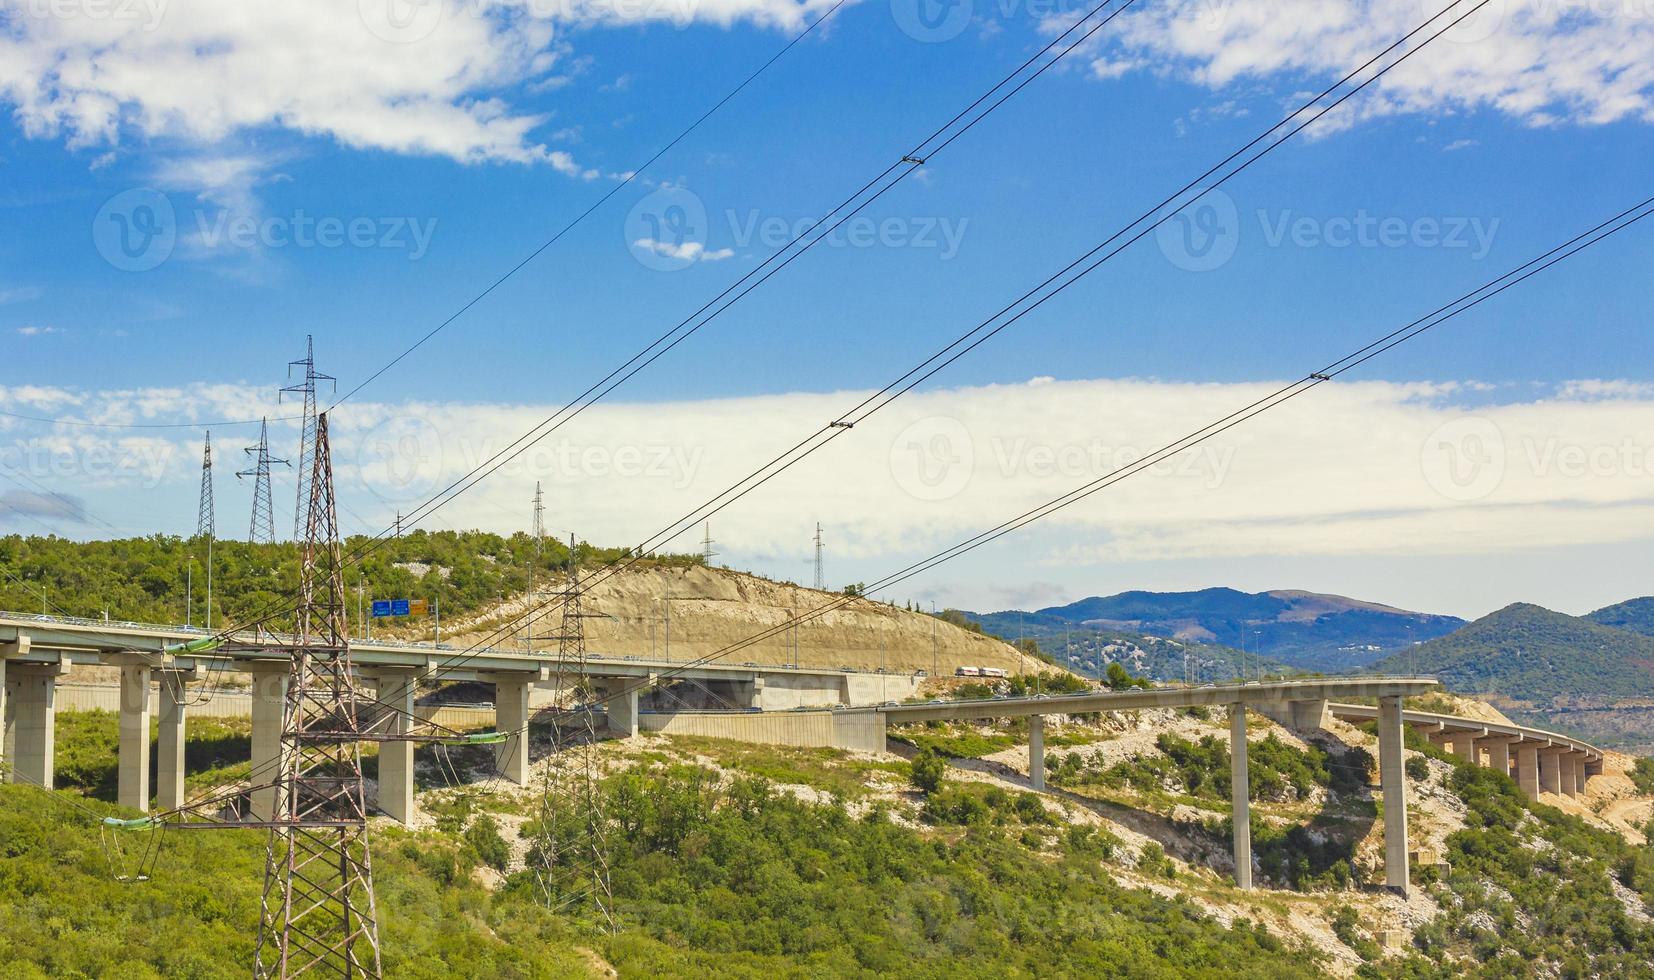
point(927, 771)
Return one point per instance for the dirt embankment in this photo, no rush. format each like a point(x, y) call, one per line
point(692, 612)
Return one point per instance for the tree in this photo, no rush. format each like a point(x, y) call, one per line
point(1118, 677)
point(928, 768)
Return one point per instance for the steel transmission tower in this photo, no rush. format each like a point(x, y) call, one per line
point(318, 906)
point(307, 435)
point(570, 850)
point(821, 577)
point(263, 527)
point(707, 554)
point(539, 530)
point(206, 525)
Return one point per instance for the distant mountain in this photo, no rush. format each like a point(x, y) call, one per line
point(1636, 615)
point(1305, 630)
point(1532, 654)
point(1089, 650)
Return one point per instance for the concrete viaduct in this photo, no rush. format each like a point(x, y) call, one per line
point(1543, 760)
point(1539, 761)
point(36, 651)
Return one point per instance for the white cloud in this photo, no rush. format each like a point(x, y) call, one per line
point(1362, 470)
point(18, 294)
point(684, 251)
point(1539, 62)
point(434, 82)
point(32, 331)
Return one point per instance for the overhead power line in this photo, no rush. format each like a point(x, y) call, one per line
point(626, 179)
point(1289, 126)
point(777, 260)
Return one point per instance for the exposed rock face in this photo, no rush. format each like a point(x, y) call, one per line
point(713, 609)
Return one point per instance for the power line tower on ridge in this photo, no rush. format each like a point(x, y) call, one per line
point(307, 433)
point(821, 576)
point(263, 526)
point(539, 530)
point(707, 554)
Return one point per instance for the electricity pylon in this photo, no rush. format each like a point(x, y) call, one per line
point(821, 577)
point(707, 554)
point(206, 521)
point(570, 849)
point(263, 526)
point(318, 907)
point(206, 525)
point(307, 433)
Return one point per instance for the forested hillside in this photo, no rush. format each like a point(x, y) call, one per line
point(147, 579)
point(1532, 654)
point(1636, 615)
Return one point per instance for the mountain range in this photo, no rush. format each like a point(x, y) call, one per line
point(1303, 630)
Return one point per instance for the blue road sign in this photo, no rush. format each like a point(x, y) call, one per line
point(399, 607)
point(381, 608)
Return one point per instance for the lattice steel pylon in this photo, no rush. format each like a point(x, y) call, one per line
point(570, 847)
point(307, 433)
point(318, 912)
point(821, 571)
point(263, 526)
point(206, 524)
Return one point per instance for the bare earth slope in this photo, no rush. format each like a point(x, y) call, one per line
point(713, 608)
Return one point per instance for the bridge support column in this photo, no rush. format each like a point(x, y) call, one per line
point(1304, 716)
point(1463, 745)
point(1565, 774)
point(511, 715)
point(1550, 771)
point(1036, 752)
point(132, 772)
point(1392, 780)
point(1240, 795)
point(396, 687)
point(620, 703)
point(169, 741)
point(1527, 769)
point(1498, 755)
point(269, 718)
point(32, 700)
point(1580, 762)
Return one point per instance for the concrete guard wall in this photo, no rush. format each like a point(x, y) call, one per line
point(862, 732)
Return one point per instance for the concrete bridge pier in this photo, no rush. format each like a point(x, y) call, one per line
point(132, 770)
point(1581, 764)
point(31, 718)
point(1497, 748)
point(1550, 769)
point(620, 702)
point(1240, 795)
point(396, 686)
point(1527, 769)
point(1392, 781)
point(511, 715)
point(1036, 752)
point(169, 741)
point(269, 718)
point(1565, 774)
point(1463, 745)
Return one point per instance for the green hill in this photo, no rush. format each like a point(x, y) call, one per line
point(148, 579)
point(1636, 615)
point(1532, 654)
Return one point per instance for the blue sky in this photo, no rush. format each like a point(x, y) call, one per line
point(459, 153)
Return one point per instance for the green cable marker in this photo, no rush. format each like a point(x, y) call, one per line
point(137, 823)
point(478, 738)
point(203, 645)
